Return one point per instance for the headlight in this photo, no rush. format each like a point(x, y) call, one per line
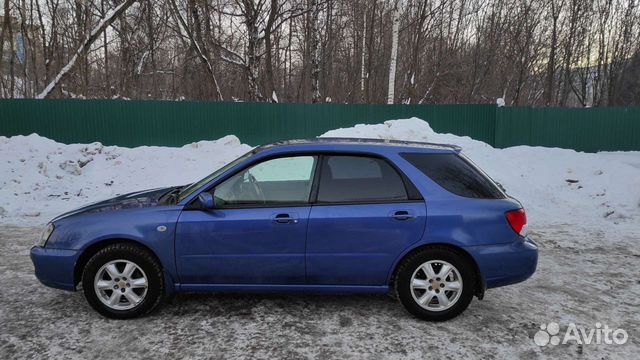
point(45, 235)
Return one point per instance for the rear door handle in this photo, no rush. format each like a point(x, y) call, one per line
point(402, 215)
point(284, 219)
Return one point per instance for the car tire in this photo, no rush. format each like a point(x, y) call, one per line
point(114, 295)
point(435, 296)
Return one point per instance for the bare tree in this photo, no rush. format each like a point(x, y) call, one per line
point(395, 28)
point(314, 33)
point(528, 52)
point(7, 32)
point(556, 9)
point(197, 41)
point(85, 45)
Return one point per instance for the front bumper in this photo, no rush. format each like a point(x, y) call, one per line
point(505, 264)
point(54, 267)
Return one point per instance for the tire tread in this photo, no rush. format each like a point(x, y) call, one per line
point(136, 251)
point(469, 283)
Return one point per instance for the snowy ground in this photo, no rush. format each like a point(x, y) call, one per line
point(583, 209)
point(583, 286)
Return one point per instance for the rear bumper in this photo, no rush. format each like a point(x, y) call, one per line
point(54, 267)
point(505, 264)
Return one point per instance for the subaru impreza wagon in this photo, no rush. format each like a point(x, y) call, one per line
point(417, 220)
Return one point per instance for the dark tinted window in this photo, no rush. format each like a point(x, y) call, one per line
point(455, 174)
point(359, 179)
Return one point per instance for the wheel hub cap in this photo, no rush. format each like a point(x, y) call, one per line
point(436, 285)
point(121, 284)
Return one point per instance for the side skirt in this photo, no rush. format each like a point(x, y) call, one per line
point(259, 288)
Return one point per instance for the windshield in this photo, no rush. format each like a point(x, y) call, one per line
point(184, 193)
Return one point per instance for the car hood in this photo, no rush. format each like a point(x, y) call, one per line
point(138, 199)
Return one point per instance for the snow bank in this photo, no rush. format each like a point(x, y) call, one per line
point(40, 178)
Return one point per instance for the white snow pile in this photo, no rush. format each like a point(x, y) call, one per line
point(40, 178)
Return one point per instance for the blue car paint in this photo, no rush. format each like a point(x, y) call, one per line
point(78, 230)
point(54, 266)
point(327, 249)
point(339, 253)
point(211, 250)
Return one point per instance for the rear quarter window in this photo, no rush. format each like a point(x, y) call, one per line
point(455, 174)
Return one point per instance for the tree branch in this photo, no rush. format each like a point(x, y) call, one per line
point(109, 17)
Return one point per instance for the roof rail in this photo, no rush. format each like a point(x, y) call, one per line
point(346, 140)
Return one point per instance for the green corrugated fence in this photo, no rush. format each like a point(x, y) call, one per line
point(592, 129)
point(134, 123)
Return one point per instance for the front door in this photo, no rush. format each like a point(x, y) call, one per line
point(257, 232)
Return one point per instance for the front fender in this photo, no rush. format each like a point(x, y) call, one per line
point(152, 227)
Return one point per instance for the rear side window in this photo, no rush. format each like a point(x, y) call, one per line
point(359, 179)
point(455, 174)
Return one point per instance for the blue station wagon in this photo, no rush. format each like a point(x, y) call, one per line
point(417, 220)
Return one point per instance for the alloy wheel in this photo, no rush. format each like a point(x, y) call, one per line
point(436, 285)
point(121, 284)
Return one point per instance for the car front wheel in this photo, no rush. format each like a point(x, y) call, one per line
point(435, 284)
point(123, 281)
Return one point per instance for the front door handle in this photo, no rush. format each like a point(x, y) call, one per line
point(284, 219)
point(402, 215)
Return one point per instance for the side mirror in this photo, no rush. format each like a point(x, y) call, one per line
point(206, 200)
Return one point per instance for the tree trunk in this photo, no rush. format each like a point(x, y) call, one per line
point(415, 52)
point(6, 24)
point(363, 73)
point(7, 32)
point(314, 32)
point(551, 63)
point(12, 53)
point(107, 85)
point(370, 50)
point(394, 53)
point(251, 18)
point(268, 51)
point(326, 64)
point(152, 48)
point(253, 63)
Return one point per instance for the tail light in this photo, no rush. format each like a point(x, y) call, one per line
point(518, 221)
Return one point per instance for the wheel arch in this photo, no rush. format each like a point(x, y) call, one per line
point(92, 249)
point(480, 283)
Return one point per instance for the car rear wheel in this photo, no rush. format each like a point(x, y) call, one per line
point(123, 281)
point(435, 284)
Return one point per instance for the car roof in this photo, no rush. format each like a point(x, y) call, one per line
point(324, 143)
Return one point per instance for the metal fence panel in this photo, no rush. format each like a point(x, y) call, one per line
point(593, 129)
point(171, 123)
point(134, 123)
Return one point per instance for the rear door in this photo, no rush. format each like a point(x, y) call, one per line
point(364, 217)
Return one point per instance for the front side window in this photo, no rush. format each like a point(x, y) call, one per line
point(359, 179)
point(278, 181)
point(184, 193)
